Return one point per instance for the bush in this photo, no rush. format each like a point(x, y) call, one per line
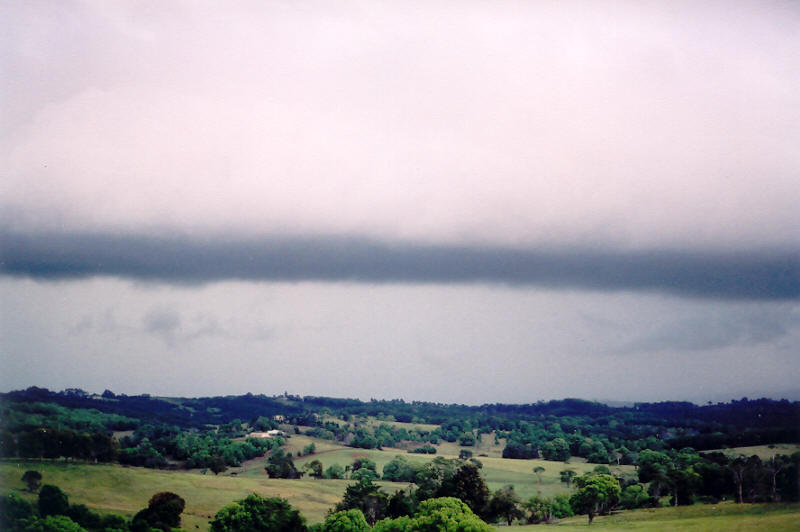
point(425, 449)
point(346, 521)
point(52, 501)
point(14, 511)
point(257, 514)
point(334, 471)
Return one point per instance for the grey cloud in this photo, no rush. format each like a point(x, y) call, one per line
point(744, 274)
point(718, 330)
point(165, 323)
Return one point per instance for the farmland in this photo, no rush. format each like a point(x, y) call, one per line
point(113, 453)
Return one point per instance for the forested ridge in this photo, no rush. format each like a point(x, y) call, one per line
point(663, 440)
point(551, 430)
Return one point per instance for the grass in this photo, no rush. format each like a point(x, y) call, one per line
point(762, 451)
point(699, 518)
point(125, 490)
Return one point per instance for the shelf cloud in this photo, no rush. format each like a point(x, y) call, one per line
point(176, 259)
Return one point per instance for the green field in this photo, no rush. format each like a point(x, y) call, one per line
point(727, 517)
point(764, 452)
point(125, 490)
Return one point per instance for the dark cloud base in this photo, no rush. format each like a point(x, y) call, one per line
point(178, 259)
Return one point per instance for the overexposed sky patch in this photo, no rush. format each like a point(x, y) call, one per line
point(633, 124)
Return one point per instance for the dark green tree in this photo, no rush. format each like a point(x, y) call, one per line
point(163, 512)
point(567, 475)
point(634, 496)
point(364, 463)
point(55, 523)
point(52, 501)
point(505, 504)
point(367, 497)
point(15, 513)
point(217, 465)
point(364, 474)
point(33, 479)
point(257, 514)
point(313, 468)
point(556, 449)
point(346, 521)
point(281, 465)
point(334, 471)
point(469, 486)
point(436, 515)
point(597, 494)
point(400, 503)
point(399, 470)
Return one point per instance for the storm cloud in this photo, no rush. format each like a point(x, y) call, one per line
point(174, 259)
point(262, 196)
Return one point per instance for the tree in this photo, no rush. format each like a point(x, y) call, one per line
point(364, 463)
point(556, 449)
point(82, 515)
point(280, 465)
point(634, 496)
point(561, 506)
point(596, 494)
point(538, 470)
point(467, 439)
point(464, 454)
point(55, 523)
point(773, 467)
point(469, 486)
point(217, 465)
point(738, 467)
point(364, 474)
point(505, 504)
point(685, 483)
point(15, 512)
point(163, 512)
point(346, 521)
point(52, 501)
point(257, 514)
point(401, 503)
point(436, 515)
point(567, 475)
point(334, 471)
point(313, 468)
point(367, 497)
point(33, 479)
point(399, 470)
point(435, 479)
point(540, 510)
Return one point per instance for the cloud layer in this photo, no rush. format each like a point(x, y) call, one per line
point(175, 259)
point(633, 125)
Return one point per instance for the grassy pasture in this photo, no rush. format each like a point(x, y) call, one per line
point(762, 451)
point(375, 422)
point(497, 471)
point(126, 490)
point(730, 517)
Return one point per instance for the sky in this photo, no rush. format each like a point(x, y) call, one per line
point(468, 202)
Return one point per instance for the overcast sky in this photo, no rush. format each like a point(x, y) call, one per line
point(451, 201)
